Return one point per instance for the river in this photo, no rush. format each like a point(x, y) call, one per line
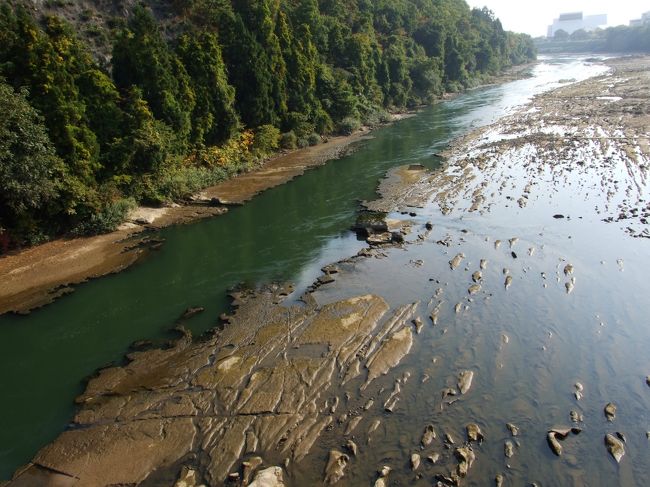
point(285, 234)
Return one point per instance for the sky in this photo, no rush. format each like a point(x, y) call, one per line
point(533, 17)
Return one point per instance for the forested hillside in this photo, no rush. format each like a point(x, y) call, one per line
point(108, 104)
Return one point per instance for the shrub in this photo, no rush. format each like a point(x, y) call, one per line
point(267, 140)
point(349, 125)
point(313, 139)
point(288, 140)
point(107, 219)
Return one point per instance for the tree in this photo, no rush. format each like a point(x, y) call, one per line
point(28, 165)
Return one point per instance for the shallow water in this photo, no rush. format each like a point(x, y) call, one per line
point(288, 233)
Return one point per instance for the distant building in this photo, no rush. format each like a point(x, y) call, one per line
point(572, 22)
point(645, 19)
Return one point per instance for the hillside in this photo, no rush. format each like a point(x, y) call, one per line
point(119, 103)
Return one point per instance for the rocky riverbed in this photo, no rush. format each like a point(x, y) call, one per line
point(493, 332)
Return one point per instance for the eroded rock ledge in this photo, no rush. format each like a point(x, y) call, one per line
point(268, 384)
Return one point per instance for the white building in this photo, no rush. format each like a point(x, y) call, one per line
point(645, 19)
point(572, 22)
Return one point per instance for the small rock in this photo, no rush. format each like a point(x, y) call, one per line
point(615, 447)
point(568, 269)
point(270, 477)
point(509, 449)
point(455, 262)
point(449, 439)
point(433, 458)
point(474, 289)
point(474, 432)
point(415, 461)
point(335, 469)
point(576, 417)
point(498, 480)
point(466, 457)
point(428, 436)
point(418, 325)
point(569, 287)
point(610, 412)
point(647, 380)
point(477, 276)
point(187, 478)
point(465, 380)
point(556, 434)
point(514, 431)
point(249, 466)
point(483, 264)
point(508, 281)
point(558, 216)
point(621, 436)
point(458, 307)
point(352, 447)
point(429, 226)
point(514, 254)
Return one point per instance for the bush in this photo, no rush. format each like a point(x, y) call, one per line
point(349, 125)
point(288, 140)
point(376, 116)
point(299, 124)
point(267, 140)
point(107, 219)
point(313, 139)
point(302, 142)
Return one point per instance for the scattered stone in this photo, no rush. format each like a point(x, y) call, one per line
point(368, 404)
point(610, 412)
point(569, 287)
point(647, 380)
point(568, 269)
point(556, 434)
point(373, 427)
point(270, 477)
point(449, 439)
point(509, 449)
point(354, 422)
point(187, 478)
point(418, 325)
point(513, 241)
point(335, 469)
point(483, 264)
point(458, 307)
point(514, 254)
point(428, 436)
point(474, 289)
point(474, 432)
point(558, 216)
point(508, 281)
point(621, 436)
point(497, 244)
point(514, 431)
point(576, 417)
point(466, 457)
point(455, 262)
point(233, 477)
point(477, 276)
point(465, 381)
point(428, 226)
point(434, 457)
point(415, 461)
point(248, 467)
point(615, 447)
point(498, 480)
point(352, 447)
point(382, 481)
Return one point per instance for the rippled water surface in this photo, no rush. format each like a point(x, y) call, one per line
point(289, 232)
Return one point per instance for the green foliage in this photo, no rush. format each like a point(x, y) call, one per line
point(288, 140)
point(203, 90)
point(267, 140)
point(29, 167)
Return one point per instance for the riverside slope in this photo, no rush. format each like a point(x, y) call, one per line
point(522, 284)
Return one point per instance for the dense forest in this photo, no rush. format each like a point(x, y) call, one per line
point(110, 104)
point(619, 39)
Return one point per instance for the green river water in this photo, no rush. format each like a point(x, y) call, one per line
point(285, 234)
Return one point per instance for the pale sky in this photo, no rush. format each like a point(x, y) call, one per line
point(533, 17)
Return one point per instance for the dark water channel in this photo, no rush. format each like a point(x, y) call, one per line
point(285, 234)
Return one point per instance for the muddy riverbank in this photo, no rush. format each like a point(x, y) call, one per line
point(509, 306)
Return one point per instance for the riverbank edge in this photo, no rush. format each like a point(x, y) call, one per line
point(37, 276)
